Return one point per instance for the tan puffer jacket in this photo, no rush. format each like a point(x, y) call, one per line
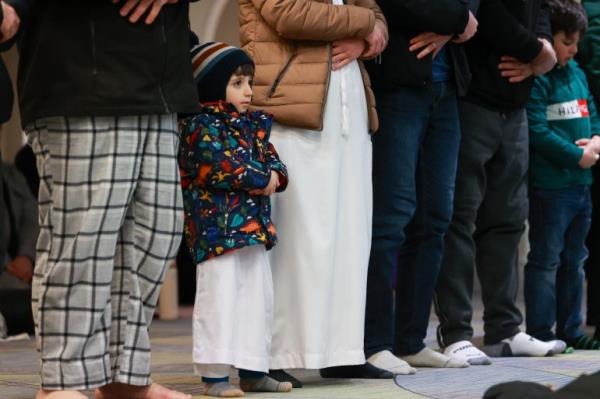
point(290, 42)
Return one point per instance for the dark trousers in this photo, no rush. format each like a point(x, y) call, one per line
point(414, 168)
point(559, 221)
point(592, 267)
point(490, 208)
point(15, 304)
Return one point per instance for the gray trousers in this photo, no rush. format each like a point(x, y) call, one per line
point(490, 209)
point(111, 217)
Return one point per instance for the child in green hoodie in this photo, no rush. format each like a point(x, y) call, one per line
point(563, 124)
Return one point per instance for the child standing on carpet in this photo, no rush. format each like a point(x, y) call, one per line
point(563, 125)
point(228, 170)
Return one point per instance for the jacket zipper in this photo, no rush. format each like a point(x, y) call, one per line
point(280, 76)
point(160, 88)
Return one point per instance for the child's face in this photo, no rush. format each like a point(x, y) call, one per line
point(239, 92)
point(565, 46)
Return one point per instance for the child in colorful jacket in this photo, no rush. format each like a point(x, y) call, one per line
point(228, 170)
point(563, 126)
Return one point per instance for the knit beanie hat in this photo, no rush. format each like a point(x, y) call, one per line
point(213, 64)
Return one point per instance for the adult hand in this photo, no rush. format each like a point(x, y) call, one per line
point(270, 188)
point(545, 60)
point(345, 51)
point(136, 8)
point(589, 157)
point(21, 267)
point(514, 70)
point(10, 22)
point(470, 29)
point(427, 43)
point(376, 41)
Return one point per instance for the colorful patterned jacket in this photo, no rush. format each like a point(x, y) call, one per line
point(223, 154)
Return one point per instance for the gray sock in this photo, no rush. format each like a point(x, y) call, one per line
point(264, 384)
point(222, 390)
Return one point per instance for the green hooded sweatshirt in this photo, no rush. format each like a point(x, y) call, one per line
point(589, 48)
point(560, 110)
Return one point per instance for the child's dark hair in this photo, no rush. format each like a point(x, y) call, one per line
point(567, 16)
point(244, 70)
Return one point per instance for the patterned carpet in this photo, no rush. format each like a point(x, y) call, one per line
point(171, 343)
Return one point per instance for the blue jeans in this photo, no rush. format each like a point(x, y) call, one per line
point(415, 154)
point(559, 222)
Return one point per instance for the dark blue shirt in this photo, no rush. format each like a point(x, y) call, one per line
point(440, 68)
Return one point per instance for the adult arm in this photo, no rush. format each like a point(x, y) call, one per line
point(505, 34)
point(311, 20)
point(12, 14)
point(446, 17)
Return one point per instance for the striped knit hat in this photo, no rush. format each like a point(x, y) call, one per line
point(213, 64)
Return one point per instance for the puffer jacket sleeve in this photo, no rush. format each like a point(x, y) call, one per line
point(204, 158)
point(272, 158)
point(373, 6)
point(310, 20)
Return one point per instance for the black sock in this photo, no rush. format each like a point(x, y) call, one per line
point(367, 371)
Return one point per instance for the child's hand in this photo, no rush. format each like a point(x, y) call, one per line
point(345, 51)
point(589, 157)
point(270, 188)
point(594, 143)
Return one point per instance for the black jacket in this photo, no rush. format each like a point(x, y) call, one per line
point(6, 91)
point(398, 66)
point(81, 58)
point(506, 27)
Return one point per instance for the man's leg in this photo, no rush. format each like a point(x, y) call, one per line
point(148, 242)
point(404, 116)
point(480, 140)
point(500, 225)
point(421, 255)
point(86, 183)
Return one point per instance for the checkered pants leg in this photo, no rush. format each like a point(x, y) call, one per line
point(111, 220)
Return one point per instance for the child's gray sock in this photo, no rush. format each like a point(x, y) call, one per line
point(264, 384)
point(222, 390)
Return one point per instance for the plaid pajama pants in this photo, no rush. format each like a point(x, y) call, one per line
point(110, 221)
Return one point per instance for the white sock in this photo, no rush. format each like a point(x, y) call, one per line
point(430, 358)
point(559, 346)
point(465, 351)
point(520, 344)
point(386, 360)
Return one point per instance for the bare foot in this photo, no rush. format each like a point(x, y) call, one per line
point(153, 391)
point(45, 394)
